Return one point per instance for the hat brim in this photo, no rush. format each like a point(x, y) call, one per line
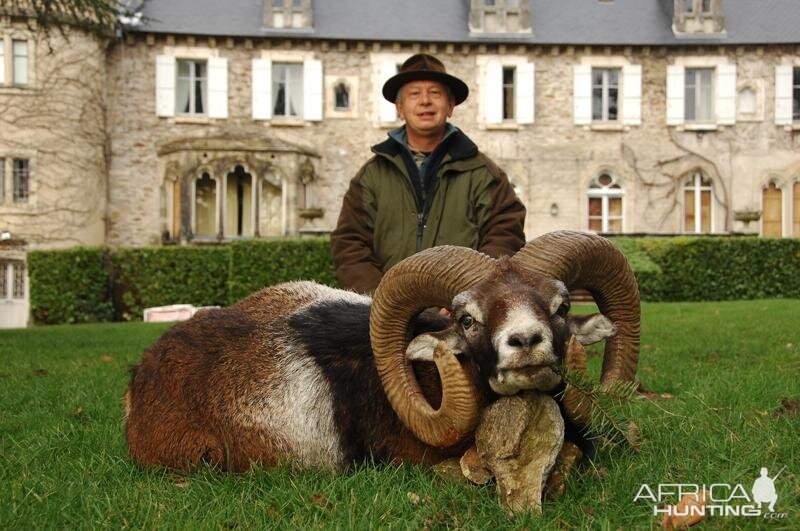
point(457, 87)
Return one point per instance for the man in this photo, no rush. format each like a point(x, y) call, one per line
point(426, 185)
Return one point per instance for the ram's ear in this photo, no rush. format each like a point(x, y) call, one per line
point(592, 328)
point(422, 346)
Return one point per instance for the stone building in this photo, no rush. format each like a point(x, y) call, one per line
point(210, 121)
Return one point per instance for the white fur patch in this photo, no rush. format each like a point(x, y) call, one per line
point(298, 412)
point(594, 329)
point(521, 320)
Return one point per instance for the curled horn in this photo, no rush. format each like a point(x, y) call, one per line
point(591, 262)
point(430, 278)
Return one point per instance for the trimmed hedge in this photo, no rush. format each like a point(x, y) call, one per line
point(74, 286)
point(711, 269)
point(70, 286)
point(157, 276)
point(259, 263)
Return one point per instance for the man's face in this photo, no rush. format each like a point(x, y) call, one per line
point(425, 107)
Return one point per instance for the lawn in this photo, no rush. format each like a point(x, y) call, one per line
point(728, 367)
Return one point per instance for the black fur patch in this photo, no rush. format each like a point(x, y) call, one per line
point(336, 336)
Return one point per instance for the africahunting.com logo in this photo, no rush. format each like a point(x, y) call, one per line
point(717, 499)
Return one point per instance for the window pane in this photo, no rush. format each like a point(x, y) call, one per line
point(705, 209)
point(2, 180)
point(488, 2)
point(2, 64)
point(342, 96)
point(205, 206)
point(796, 210)
point(297, 3)
point(512, 3)
point(277, 3)
point(595, 207)
point(295, 91)
point(706, 6)
point(615, 225)
point(796, 96)
point(605, 179)
point(182, 93)
point(689, 95)
point(508, 93)
point(596, 224)
point(238, 203)
point(4, 279)
point(689, 6)
point(184, 68)
point(615, 206)
point(705, 104)
point(20, 67)
point(688, 210)
point(613, 96)
point(19, 280)
point(21, 180)
point(597, 103)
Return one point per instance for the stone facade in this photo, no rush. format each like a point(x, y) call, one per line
point(106, 168)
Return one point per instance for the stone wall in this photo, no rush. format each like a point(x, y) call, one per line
point(57, 122)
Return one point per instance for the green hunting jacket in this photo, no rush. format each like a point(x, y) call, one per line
point(388, 214)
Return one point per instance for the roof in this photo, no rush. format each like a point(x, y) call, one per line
point(609, 22)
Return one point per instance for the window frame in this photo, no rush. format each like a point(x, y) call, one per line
point(20, 189)
point(695, 73)
point(300, 88)
point(697, 188)
point(795, 94)
point(604, 192)
point(192, 80)
point(605, 87)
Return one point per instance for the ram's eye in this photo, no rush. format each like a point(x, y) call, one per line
point(466, 320)
point(563, 309)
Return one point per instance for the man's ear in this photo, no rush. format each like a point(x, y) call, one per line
point(422, 346)
point(592, 328)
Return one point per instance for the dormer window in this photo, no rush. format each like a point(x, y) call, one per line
point(698, 17)
point(499, 16)
point(288, 14)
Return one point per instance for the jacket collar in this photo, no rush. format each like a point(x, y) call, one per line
point(458, 145)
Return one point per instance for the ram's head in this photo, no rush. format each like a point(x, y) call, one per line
point(508, 316)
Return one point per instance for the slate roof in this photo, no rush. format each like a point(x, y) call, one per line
point(615, 22)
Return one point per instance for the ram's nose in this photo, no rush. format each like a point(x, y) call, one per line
point(525, 339)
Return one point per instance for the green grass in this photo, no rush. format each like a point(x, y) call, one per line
point(63, 460)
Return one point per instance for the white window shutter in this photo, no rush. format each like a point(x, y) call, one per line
point(726, 94)
point(262, 89)
point(165, 85)
point(632, 95)
point(312, 90)
point(783, 95)
point(217, 87)
point(387, 111)
point(582, 94)
point(493, 93)
point(676, 87)
point(525, 91)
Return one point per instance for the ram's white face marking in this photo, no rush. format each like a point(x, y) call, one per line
point(468, 305)
point(524, 347)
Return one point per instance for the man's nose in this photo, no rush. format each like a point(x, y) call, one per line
point(424, 98)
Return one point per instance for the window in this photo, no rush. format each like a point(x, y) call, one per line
point(508, 92)
point(699, 94)
point(706, 5)
point(191, 88)
point(508, 86)
point(2, 61)
point(796, 209)
point(772, 211)
point(205, 207)
point(796, 93)
point(689, 6)
point(341, 94)
point(697, 204)
point(12, 280)
point(605, 204)
point(2, 180)
point(21, 183)
point(605, 94)
point(499, 16)
point(287, 89)
point(239, 203)
point(288, 14)
point(20, 62)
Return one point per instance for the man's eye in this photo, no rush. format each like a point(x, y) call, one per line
point(466, 321)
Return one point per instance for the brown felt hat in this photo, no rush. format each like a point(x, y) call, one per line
point(423, 66)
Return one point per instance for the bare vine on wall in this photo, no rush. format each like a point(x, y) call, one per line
point(60, 124)
point(663, 185)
